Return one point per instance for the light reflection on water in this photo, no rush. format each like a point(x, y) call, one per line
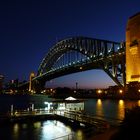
point(52, 129)
point(109, 108)
point(121, 109)
point(46, 130)
point(99, 107)
point(138, 102)
point(16, 131)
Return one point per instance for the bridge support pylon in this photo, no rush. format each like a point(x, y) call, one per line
point(32, 75)
point(133, 49)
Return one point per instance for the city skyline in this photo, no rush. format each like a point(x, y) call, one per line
point(30, 29)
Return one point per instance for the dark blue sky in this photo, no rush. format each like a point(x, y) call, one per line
point(29, 28)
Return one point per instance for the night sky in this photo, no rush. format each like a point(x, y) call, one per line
point(28, 29)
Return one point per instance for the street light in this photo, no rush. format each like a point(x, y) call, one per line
point(120, 91)
point(99, 91)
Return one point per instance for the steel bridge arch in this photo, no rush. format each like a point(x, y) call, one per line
point(105, 52)
point(60, 48)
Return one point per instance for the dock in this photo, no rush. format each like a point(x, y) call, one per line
point(91, 125)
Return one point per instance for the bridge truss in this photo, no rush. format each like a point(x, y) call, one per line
point(80, 54)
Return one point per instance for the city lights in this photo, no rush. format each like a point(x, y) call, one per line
point(120, 91)
point(99, 91)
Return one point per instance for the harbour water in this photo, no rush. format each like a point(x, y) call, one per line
point(52, 129)
point(41, 130)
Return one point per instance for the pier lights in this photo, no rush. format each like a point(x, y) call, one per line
point(49, 105)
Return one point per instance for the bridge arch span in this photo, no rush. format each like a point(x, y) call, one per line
point(101, 54)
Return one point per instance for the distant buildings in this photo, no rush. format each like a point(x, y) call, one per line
point(1, 81)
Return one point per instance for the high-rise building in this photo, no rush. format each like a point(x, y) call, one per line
point(133, 49)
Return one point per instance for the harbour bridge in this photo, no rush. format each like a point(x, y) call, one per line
point(119, 60)
point(78, 54)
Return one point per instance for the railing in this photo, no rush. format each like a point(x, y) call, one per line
point(94, 120)
point(69, 114)
point(99, 121)
point(35, 112)
point(67, 137)
point(101, 125)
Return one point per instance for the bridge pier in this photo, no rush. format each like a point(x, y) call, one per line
point(133, 49)
point(32, 75)
point(133, 55)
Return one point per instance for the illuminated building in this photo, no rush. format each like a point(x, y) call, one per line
point(133, 49)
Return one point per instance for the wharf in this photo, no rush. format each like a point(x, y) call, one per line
point(73, 118)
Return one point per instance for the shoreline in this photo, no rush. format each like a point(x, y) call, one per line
point(78, 97)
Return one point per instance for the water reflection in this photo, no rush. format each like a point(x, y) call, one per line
point(79, 135)
point(138, 102)
point(99, 108)
point(16, 128)
point(43, 130)
point(54, 129)
point(121, 109)
point(24, 126)
point(15, 131)
point(37, 124)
